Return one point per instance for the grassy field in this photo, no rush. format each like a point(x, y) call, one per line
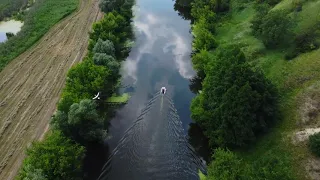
point(292, 78)
point(39, 19)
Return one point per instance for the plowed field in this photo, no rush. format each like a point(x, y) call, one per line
point(31, 84)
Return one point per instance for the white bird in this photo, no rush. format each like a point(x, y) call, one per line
point(97, 96)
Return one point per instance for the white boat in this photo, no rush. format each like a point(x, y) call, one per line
point(163, 90)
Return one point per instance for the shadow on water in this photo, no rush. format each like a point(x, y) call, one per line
point(154, 147)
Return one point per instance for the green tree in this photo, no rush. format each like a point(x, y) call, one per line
point(236, 103)
point(273, 29)
point(32, 174)
point(204, 10)
point(203, 38)
point(86, 125)
point(82, 123)
point(106, 47)
point(115, 28)
point(102, 59)
point(200, 60)
point(57, 157)
point(86, 79)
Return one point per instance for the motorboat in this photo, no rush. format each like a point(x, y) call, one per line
point(163, 90)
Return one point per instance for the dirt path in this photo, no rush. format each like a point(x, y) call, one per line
point(31, 84)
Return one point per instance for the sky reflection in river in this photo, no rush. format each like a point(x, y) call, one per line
point(154, 28)
point(160, 57)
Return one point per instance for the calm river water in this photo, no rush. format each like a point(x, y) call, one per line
point(159, 57)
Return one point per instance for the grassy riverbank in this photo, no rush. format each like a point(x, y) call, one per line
point(293, 68)
point(38, 20)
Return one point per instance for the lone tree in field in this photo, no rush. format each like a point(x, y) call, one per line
point(237, 102)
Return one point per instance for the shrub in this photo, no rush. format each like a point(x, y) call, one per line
point(273, 28)
point(225, 166)
point(272, 166)
point(314, 144)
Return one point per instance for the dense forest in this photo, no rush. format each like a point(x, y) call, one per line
point(257, 71)
point(79, 120)
point(37, 21)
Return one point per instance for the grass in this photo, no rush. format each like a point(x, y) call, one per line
point(290, 77)
point(119, 99)
point(40, 18)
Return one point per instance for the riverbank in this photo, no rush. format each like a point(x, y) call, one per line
point(30, 86)
point(43, 15)
point(296, 80)
point(79, 120)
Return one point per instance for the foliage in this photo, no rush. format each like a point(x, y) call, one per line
point(9, 35)
point(106, 47)
point(200, 60)
point(270, 2)
point(102, 59)
point(183, 7)
point(204, 10)
point(113, 27)
point(314, 144)
point(10, 7)
point(39, 19)
point(237, 103)
point(221, 5)
point(201, 175)
point(32, 174)
point(123, 6)
point(273, 28)
point(271, 166)
point(203, 39)
point(226, 165)
point(82, 123)
point(86, 79)
point(56, 157)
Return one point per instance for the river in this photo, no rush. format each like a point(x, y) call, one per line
point(160, 57)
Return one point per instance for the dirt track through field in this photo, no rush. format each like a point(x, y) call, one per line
point(31, 84)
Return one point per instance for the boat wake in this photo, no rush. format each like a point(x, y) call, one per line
point(154, 147)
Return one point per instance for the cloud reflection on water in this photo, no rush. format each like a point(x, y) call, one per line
point(152, 29)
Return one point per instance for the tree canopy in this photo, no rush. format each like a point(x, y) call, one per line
point(106, 47)
point(273, 28)
point(57, 157)
point(237, 102)
point(115, 28)
point(82, 123)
